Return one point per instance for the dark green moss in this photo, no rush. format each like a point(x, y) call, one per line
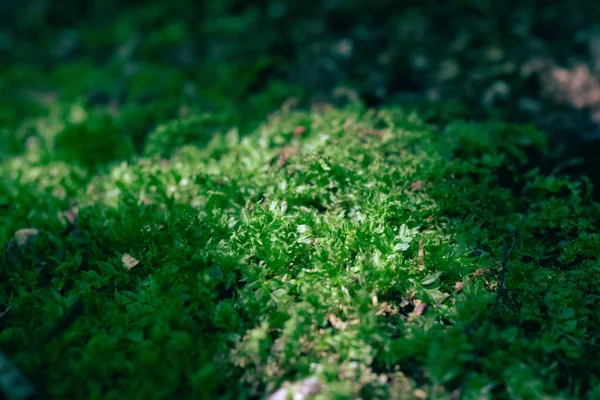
point(222, 271)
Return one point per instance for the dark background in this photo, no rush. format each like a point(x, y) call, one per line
point(520, 61)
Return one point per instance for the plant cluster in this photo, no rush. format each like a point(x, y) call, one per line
point(365, 250)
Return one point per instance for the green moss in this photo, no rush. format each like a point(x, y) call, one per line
point(195, 130)
point(92, 139)
point(295, 252)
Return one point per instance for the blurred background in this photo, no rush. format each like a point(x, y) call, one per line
point(134, 64)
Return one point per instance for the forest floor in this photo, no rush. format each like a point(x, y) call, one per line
point(241, 200)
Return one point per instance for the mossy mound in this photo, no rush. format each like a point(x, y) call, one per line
point(383, 257)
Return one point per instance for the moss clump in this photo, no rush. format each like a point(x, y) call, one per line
point(365, 249)
point(195, 130)
point(93, 139)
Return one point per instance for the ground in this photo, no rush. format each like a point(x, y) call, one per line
point(239, 200)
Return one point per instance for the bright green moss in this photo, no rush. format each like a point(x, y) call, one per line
point(295, 252)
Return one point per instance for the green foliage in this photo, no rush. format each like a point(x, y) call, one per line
point(92, 139)
point(196, 130)
point(220, 256)
point(364, 249)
